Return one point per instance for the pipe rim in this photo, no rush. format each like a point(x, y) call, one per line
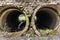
point(25, 28)
point(33, 23)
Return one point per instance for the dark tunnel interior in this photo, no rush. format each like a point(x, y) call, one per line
point(13, 22)
point(46, 19)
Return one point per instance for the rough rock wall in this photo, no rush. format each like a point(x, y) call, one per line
point(28, 5)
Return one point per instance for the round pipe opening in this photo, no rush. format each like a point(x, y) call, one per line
point(12, 22)
point(46, 19)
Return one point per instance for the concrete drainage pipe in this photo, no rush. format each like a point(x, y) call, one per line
point(13, 20)
point(45, 18)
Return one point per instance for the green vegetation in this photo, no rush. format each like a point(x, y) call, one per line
point(21, 18)
point(47, 32)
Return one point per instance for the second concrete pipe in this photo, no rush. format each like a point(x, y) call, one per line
point(46, 17)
